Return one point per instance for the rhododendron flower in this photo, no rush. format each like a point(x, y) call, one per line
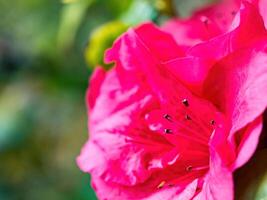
point(173, 119)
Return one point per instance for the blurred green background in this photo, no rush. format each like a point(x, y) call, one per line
point(48, 49)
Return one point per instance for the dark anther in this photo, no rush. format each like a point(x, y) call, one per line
point(185, 102)
point(189, 168)
point(168, 117)
point(233, 12)
point(212, 122)
point(167, 131)
point(205, 20)
point(187, 117)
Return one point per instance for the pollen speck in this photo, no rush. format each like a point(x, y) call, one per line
point(162, 183)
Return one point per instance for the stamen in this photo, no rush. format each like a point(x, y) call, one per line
point(212, 122)
point(161, 184)
point(167, 131)
point(233, 12)
point(168, 117)
point(198, 119)
point(185, 102)
point(205, 20)
point(189, 168)
point(200, 168)
point(187, 117)
point(195, 136)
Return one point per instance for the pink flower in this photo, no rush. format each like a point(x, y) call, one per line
point(173, 121)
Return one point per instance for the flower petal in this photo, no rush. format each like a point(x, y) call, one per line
point(249, 141)
point(263, 10)
point(218, 184)
point(95, 84)
point(204, 25)
point(238, 86)
point(155, 41)
point(247, 19)
point(191, 71)
point(191, 31)
point(112, 191)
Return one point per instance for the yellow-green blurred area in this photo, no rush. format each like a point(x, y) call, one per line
point(48, 49)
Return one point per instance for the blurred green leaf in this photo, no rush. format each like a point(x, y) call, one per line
point(251, 179)
point(72, 15)
point(261, 193)
point(185, 8)
point(101, 39)
point(139, 11)
point(15, 101)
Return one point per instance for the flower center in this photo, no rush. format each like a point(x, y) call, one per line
point(188, 129)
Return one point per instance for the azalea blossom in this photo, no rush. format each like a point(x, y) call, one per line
point(180, 110)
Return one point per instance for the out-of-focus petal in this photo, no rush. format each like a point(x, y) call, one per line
point(248, 18)
point(192, 31)
point(95, 84)
point(248, 140)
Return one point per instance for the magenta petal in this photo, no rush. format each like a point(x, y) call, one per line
point(263, 10)
point(185, 194)
point(107, 156)
point(133, 54)
point(218, 184)
point(158, 42)
point(221, 14)
point(191, 31)
point(155, 41)
point(95, 83)
point(249, 141)
point(111, 115)
point(191, 71)
point(238, 86)
point(88, 152)
point(204, 25)
point(110, 191)
point(247, 19)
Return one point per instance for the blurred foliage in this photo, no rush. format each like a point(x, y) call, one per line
point(251, 180)
point(185, 8)
point(45, 46)
point(43, 78)
point(102, 38)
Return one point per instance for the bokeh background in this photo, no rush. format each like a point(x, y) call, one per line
point(48, 49)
